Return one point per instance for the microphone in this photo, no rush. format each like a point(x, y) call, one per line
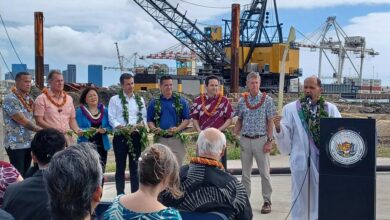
point(309, 103)
point(308, 100)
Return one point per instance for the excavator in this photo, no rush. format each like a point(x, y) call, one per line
point(261, 42)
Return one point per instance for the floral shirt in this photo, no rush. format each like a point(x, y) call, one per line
point(254, 122)
point(15, 136)
point(118, 212)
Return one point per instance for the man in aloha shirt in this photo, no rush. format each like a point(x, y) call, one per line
point(19, 125)
point(212, 110)
point(255, 111)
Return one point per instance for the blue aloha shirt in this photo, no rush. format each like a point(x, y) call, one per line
point(254, 122)
point(15, 135)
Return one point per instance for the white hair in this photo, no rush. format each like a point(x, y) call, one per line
point(206, 146)
point(253, 75)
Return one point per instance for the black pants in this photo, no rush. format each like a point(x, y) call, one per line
point(121, 151)
point(224, 159)
point(20, 159)
point(103, 158)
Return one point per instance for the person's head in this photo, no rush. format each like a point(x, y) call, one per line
point(45, 144)
point(158, 165)
point(312, 87)
point(166, 86)
point(56, 81)
point(211, 144)
point(253, 81)
point(212, 85)
point(89, 97)
point(73, 182)
point(127, 83)
point(23, 82)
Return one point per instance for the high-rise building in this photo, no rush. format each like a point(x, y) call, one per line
point(16, 68)
point(46, 69)
point(95, 74)
point(70, 74)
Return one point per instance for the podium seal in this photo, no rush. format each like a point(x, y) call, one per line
point(346, 148)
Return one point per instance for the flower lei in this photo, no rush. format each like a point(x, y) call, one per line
point(254, 107)
point(202, 97)
point(28, 106)
point(313, 120)
point(58, 105)
point(129, 129)
point(88, 114)
point(206, 161)
point(157, 116)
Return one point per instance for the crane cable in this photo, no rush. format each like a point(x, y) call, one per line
point(9, 38)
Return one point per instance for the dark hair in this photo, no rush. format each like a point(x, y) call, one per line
point(158, 163)
point(210, 78)
point(125, 76)
point(84, 93)
point(20, 74)
point(52, 73)
point(72, 178)
point(46, 143)
point(165, 77)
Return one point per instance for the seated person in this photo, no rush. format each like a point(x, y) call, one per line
point(8, 175)
point(73, 182)
point(158, 170)
point(205, 181)
point(28, 199)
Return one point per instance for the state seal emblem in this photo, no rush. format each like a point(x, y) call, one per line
point(346, 148)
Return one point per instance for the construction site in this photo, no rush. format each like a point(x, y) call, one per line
point(250, 40)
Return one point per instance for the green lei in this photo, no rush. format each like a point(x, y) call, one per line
point(157, 117)
point(139, 127)
point(313, 120)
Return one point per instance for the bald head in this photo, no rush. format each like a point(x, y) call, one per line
point(312, 87)
point(211, 143)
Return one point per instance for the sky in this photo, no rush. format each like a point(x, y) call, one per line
point(84, 32)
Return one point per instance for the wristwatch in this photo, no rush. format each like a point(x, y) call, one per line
point(270, 139)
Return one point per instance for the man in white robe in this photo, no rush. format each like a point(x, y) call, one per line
point(294, 137)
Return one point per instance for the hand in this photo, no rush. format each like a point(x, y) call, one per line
point(172, 130)
point(277, 120)
point(101, 131)
point(267, 147)
point(119, 126)
point(155, 130)
point(79, 132)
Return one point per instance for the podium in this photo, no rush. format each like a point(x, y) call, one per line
point(347, 169)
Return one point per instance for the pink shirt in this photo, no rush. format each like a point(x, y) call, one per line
point(56, 117)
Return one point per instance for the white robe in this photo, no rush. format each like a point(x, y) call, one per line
point(293, 140)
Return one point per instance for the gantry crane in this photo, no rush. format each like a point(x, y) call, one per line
point(341, 46)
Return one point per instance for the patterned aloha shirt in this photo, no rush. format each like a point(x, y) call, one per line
point(254, 122)
point(15, 135)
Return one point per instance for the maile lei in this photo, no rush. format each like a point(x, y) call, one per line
point(139, 127)
point(157, 117)
point(313, 120)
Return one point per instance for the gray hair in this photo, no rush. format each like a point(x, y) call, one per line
point(71, 180)
point(253, 75)
point(52, 73)
point(204, 145)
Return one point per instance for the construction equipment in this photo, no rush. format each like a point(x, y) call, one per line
point(261, 43)
point(120, 62)
point(342, 46)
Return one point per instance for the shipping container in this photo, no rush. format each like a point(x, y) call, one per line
point(336, 88)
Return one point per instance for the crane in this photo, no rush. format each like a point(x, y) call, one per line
point(341, 46)
point(260, 49)
point(120, 62)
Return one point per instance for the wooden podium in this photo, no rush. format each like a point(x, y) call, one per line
point(347, 169)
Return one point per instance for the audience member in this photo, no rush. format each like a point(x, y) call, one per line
point(73, 181)
point(158, 171)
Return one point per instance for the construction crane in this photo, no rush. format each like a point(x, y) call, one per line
point(120, 62)
point(342, 46)
point(261, 45)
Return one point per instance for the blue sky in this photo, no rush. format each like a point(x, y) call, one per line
point(84, 32)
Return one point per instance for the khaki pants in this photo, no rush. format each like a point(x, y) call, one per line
point(254, 148)
point(176, 147)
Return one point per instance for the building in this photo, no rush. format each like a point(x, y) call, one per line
point(16, 68)
point(46, 70)
point(95, 74)
point(70, 74)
